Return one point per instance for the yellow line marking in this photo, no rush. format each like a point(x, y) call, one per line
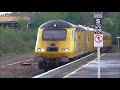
point(80, 68)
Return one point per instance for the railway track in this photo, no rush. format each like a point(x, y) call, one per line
point(22, 69)
point(64, 67)
point(17, 70)
point(10, 69)
point(1, 66)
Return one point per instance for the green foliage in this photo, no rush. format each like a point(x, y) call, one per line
point(111, 24)
point(22, 25)
point(16, 42)
point(111, 20)
point(24, 40)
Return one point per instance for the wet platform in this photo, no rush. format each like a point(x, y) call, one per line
point(109, 68)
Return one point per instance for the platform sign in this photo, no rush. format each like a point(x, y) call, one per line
point(98, 22)
point(97, 14)
point(98, 40)
point(98, 26)
point(98, 29)
point(98, 36)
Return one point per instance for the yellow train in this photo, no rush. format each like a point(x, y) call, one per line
point(59, 42)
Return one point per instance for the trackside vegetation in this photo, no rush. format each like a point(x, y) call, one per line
point(16, 42)
point(23, 40)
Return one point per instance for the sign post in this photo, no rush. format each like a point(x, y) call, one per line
point(118, 42)
point(98, 36)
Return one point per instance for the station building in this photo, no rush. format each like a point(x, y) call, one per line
point(12, 21)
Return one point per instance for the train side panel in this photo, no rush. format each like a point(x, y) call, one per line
point(80, 43)
point(91, 41)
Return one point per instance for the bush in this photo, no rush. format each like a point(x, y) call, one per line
point(16, 42)
point(1, 53)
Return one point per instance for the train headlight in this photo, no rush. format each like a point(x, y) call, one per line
point(42, 49)
point(65, 49)
point(39, 49)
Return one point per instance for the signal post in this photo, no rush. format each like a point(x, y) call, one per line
point(98, 36)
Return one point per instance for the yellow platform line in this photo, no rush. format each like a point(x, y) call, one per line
point(80, 68)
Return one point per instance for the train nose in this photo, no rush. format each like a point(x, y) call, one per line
point(53, 44)
point(52, 49)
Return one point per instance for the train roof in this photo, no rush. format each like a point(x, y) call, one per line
point(57, 24)
point(91, 29)
point(65, 24)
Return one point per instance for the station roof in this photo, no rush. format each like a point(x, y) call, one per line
point(12, 18)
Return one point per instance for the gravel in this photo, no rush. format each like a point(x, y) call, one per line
point(19, 70)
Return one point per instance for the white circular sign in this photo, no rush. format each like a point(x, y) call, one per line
point(98, 38)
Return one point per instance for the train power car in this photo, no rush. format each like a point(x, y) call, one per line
point(59, 42)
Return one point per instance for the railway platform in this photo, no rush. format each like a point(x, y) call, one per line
point(109, 68)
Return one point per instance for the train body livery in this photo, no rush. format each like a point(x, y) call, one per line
point(59, 42)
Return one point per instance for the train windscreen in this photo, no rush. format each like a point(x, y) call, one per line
point(53, 34)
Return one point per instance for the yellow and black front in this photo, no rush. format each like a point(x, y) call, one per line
point(55, 41)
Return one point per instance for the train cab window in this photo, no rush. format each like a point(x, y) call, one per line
point(54, 34)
